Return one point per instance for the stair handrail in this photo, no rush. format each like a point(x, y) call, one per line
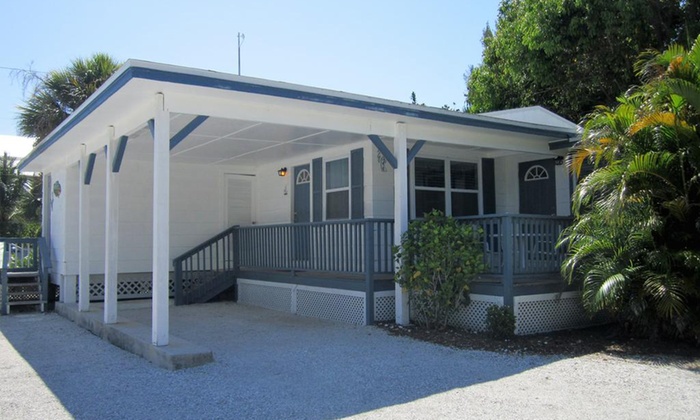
point(205, 244)
point(3, 275)
point(177, 261)
point(44, 267)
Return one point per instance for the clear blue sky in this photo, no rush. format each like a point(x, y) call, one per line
point(382, 48)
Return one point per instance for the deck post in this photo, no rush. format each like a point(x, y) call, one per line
point(369, 272)
point(83, 233)
point(508, 260)
point(111, 232)
point(161, 223)
point(400, 215)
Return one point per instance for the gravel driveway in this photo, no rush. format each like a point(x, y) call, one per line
point(273, 365)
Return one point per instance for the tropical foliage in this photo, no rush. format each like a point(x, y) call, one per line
point(570, 55)
point(439, 258)
point(12, 189)
point(55, 96)
point(61, 92)
point(635, 243)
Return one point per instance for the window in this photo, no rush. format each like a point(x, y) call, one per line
point(449, 186)
point(338, 189)
point(430, 185)
point(536, 173)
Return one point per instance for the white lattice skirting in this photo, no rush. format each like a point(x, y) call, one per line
point(548, 312)
point(317, 302)
point(473, 316)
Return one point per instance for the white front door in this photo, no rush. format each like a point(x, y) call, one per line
point(239, 200)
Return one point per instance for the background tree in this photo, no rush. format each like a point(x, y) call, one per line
point(55, 96)
point(570, 55)
point(635, 242)
point(12, 187)
point(61, 92)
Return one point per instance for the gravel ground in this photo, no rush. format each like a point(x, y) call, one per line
point(274, 365)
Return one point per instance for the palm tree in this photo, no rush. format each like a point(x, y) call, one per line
point(55, 97)
point(635, 243)
point(61, 92)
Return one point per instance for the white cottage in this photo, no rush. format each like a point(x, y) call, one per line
point(186, 183)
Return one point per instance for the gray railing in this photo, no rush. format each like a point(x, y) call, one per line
point(206, 263)
point(521, 244)
point(23, 255)
point(334, 246)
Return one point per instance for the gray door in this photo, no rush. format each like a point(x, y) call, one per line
point(302, 194)
point(302, 213)
point(537, 187)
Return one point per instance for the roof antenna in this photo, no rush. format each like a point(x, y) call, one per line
point(241, 38)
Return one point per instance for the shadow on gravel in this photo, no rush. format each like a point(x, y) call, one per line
point(267, 365)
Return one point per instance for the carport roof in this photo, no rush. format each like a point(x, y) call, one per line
point(128, 82)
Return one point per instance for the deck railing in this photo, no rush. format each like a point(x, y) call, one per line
point(205, 263)
point(340, 246)
point(525, 244)
point(513, 244)
point(23, 255)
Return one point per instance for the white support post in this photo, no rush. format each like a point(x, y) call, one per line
point(83, 235)
point(111, 232)
point(46, 209)
point(161, 223)
point(401, 214)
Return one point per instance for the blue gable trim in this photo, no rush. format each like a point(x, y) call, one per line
point(414, 150)
point(385, 150)
point(90, 167)
point(282, 92)
point(187, 130)
point(119, 155)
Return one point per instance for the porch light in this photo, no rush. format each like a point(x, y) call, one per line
point(282, 172)
point(559, 160)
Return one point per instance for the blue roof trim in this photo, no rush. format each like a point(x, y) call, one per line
point(240, 86)
point(247, 87)
point(377, 141)
point(187, 130)
point(90, 168)
point(110, 90)
point(414, 150)
point(119, 155)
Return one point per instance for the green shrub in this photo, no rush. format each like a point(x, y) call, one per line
point(439, 258)
point(500, 322)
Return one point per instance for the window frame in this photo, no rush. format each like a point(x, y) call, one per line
point(447, 190)
point(326, 190)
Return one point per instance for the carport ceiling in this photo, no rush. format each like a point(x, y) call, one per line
point(220, 141)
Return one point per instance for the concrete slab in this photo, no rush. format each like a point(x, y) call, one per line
point(136, 338)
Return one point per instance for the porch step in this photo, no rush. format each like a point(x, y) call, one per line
point(25, 284)
point(21, 274)
point(24, 302)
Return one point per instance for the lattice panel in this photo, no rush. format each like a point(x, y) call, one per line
point(129, 286)
point(27, 293)
point(473, 316)
point(270, 297)
point(551, 312)
point(384, 306)
point(328, 305)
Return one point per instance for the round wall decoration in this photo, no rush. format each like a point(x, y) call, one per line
point(57, 188)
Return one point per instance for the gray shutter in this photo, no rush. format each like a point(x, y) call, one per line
point(317, 188)
point(357, 181)
point(488, 183)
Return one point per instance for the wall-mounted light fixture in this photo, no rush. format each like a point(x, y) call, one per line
point(559, 160)
point(282, 172)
